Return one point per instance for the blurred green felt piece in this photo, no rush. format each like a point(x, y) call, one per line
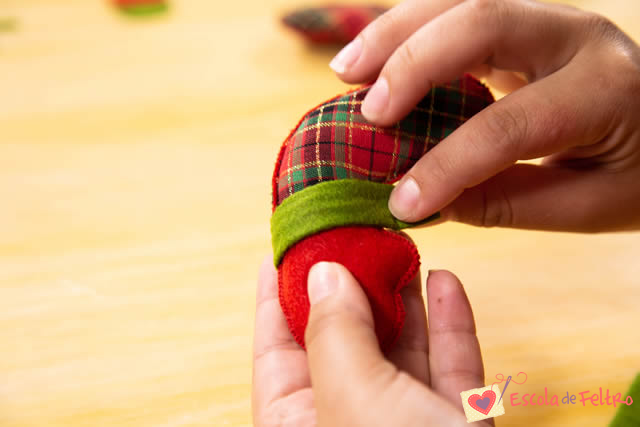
point(145, 9)
point(629, 416)
point(8, 24)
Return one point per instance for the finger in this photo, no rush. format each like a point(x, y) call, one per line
point(541, 118)
point(361, 60)
point(279, 364)
point(521, 36)
point(551, 198)
point(349, 372)
point(342, 347)
point(455, 361)
point(410, 352)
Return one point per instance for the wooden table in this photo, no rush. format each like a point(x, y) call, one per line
point(135, 162)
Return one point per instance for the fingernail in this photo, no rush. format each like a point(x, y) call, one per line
point(347, 56)
point(376, 100)
point(404, 199)
point(322, 281)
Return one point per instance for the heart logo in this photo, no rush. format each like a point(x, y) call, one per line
point(484, 403)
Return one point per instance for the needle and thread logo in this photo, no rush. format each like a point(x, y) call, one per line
point(480, 403)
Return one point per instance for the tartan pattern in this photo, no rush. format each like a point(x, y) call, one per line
point(332, 24)
point(334, 141)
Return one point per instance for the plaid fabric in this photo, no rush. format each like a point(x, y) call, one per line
point(332, 24)
point(334, 141)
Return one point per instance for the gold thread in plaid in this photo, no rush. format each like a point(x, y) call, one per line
point(334, 141)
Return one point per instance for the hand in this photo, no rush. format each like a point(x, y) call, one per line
point(344, 379)
point(574, 79)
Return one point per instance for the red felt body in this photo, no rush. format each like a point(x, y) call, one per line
point(382, 261)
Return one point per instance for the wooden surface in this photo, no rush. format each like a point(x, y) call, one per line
point(135, 161)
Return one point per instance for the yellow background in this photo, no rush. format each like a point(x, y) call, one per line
point(135, 162)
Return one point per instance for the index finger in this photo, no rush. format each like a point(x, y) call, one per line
point(512, 35)
point(361, 60)
point(455, 362)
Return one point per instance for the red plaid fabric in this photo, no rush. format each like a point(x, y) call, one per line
point(332, 24)
point(334, 141)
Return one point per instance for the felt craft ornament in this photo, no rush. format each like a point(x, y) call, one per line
point(332, 24)
point(331, 186)
point(142, 7)
point(628, 415)
point(7, 25)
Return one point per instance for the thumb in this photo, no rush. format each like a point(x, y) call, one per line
point(343, 351)
point(517, 127)
point(550, 198)
point(353, 384)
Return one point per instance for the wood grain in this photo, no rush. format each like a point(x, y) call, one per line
point(135, 159)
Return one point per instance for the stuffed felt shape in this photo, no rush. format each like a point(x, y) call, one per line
point(8, 25)
point(331, 24)
point(331, 187)
point(142, 7)
point(628, 415)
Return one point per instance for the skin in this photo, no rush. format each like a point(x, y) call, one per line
point(354, 384)
point(573, 80)
point(573, 84)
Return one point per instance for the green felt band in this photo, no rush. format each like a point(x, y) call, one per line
point(332, 204)
point(629, 416)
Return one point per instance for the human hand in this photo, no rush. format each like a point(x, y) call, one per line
point(344, 379)
point(574, 79)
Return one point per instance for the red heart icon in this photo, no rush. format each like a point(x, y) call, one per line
point(484, 403)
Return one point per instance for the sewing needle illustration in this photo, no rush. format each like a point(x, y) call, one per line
point(505, 388)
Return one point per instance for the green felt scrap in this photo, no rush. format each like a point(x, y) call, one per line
point(8, 25)
point(629, 416)
point(332, 204)
point(145, 9)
